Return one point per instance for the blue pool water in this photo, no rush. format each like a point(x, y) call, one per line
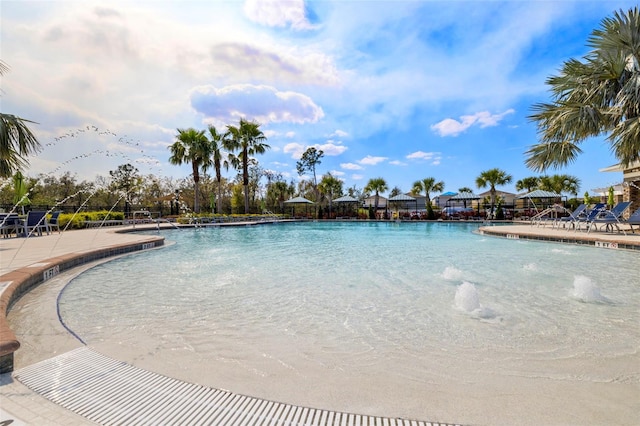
point(423, 302)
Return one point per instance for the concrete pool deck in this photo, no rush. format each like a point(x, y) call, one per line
point(35, 256)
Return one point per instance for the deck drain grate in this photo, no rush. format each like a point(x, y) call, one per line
point(112, 392)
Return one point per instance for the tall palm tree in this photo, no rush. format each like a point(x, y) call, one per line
point(428, 185)
point(330, 186)
point(376, 185)
point(593, 97)
point(528, 183)
point(560, 184)
point(492, 178)
point(192, 146)
point(248, 140)
point(16, 140)
point(216, 140)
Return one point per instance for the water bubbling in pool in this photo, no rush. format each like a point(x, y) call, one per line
point(451, 273)
point(586, 291)
point(467, 297)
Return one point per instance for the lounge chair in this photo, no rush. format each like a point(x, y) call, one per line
point(610, 218)
point(9, 224)
point(573, 217)
point(590, 215)
point(634, 219)
point(35, 221)
point(548, 215)
point(54, 221)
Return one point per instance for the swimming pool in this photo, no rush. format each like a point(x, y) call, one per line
point(343, 310)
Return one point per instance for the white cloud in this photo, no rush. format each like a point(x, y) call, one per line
point(278, 13)
point(451, 127)
point(340, 133)
point(397, 163)
point(350, 166)
point(295, 149)
point(262, 103)
point(420, 155)
point(290, 134)
point(357, 177)
point(433, 157)
point(337, 173)
point(270, 62)
point(331, 149)
point(372, 161)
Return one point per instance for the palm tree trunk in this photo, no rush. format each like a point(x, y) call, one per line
point(196, 189)
point(375, 213)
point(493, 200)
point(219, 196)
point(245, 179)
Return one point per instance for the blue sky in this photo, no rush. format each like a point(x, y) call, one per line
point(401, 90)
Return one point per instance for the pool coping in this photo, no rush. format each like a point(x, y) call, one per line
point(17, 282)
point(597, 239)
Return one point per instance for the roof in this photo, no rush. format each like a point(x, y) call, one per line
point(346, 199)
point(466, 196)
point(620, 168)
point(299, 200)
point(539, 193)
point(402, 197)
point(448, 194)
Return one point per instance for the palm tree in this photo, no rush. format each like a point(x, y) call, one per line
point(528, 183)
point(248, 140)
point(376, 185)
point(560, 184)
point(593, 97)
point(216, 140)
point(192, 147)
point(428, 185)
point(465, 189)
point(280, 191)
point(492, 178)
point(330, 186)
point(16, 140)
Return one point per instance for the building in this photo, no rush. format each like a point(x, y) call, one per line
point(630, 183)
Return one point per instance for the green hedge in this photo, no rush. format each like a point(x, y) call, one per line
point(78, 219)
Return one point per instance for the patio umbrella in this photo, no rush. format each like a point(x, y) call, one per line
point(20, 197)
point(610, 198)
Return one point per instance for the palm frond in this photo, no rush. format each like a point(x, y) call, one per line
point(625, 141)
point(555, 154)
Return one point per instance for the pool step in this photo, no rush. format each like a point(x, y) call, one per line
point(112, 392)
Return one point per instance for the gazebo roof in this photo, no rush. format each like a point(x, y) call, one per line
point(402, 197)
point(300, 200)
point(465, 196)
point(346, 199)
point(539, 193)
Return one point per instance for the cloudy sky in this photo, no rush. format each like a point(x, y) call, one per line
point(401, 90)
